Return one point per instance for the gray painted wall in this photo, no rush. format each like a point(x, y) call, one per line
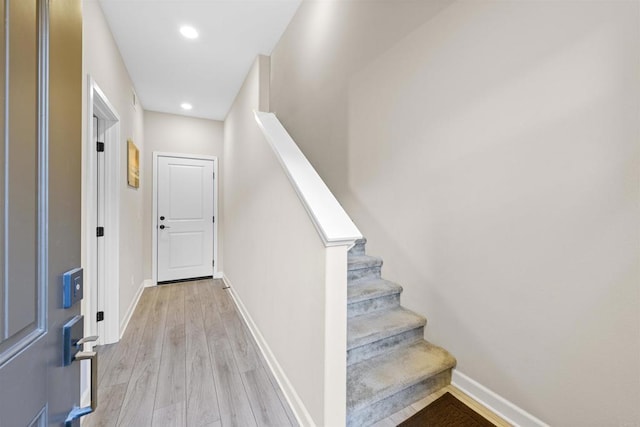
point(489, 151)
point(172, 133)
point(102, 60)
point(275, 259)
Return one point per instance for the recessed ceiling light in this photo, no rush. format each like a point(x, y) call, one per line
point(186, 106)
point(189, 32)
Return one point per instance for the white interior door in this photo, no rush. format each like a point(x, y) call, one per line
point(185, 218)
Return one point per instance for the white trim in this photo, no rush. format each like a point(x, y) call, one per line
point(148, 283)
point(496, 403)
point(154, 208)
point(219, 275)
point(335, 336)
point(330, 219)
point(98, 104)
point(85, 400)
point(132, 308)
point(297, 406)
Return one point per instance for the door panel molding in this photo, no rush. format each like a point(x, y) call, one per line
point(12, 342)
point(154, 213)
point(40, 420)
point(40, 192)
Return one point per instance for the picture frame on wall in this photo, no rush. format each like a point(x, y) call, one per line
point(133, 164)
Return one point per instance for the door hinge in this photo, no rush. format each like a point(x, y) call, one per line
point(214, 175)
point(100, 316)
point(213, 263)
point(100, 231)
point(100, 147)
point(214, 219)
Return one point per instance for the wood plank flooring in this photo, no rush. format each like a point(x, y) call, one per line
point(187, 359)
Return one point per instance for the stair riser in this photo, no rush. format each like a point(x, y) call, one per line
point(362, 273)
point(376, 411)
point(374, 304)
point(376, 348)
point(358, 248)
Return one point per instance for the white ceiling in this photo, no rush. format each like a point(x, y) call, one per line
point(168, 69)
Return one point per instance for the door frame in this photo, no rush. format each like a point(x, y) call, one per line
point(98, 104)
point(154, 213)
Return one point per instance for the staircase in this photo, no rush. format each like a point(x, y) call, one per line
point(389, 364)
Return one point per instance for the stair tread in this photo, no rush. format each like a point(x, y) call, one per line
point(368, 288)
point(377, 378)
point(371, 327)
point(356, 262)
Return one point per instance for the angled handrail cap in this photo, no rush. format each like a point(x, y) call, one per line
point(334, 225)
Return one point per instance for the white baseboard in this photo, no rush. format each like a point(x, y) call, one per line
point(297, 406)
point(132, 308)
point(496, 403)
point(148, 283)
point(219, 275)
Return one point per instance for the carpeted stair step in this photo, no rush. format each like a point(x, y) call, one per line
point(363, 266)
point(358, 248)
point(389, 364)
point(371, 334)
point(369, 295)
point(380, 386)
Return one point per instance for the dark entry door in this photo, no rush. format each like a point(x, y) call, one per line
point(40, 179)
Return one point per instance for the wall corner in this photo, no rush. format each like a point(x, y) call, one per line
point(264, 82)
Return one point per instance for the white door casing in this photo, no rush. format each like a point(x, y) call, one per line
point(105, 297)
point(184, 217)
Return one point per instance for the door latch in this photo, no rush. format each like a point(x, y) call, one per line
point(73, 340)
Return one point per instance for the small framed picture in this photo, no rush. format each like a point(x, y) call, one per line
point(133, 165)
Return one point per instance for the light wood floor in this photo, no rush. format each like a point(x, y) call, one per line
point(187, 359)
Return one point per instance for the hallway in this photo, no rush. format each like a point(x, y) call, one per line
point(187, 359)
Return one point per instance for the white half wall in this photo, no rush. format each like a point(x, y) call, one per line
point(276, 263)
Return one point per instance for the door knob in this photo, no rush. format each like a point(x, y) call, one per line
point(161, 218)
point(92, 338)
point(162, 227)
